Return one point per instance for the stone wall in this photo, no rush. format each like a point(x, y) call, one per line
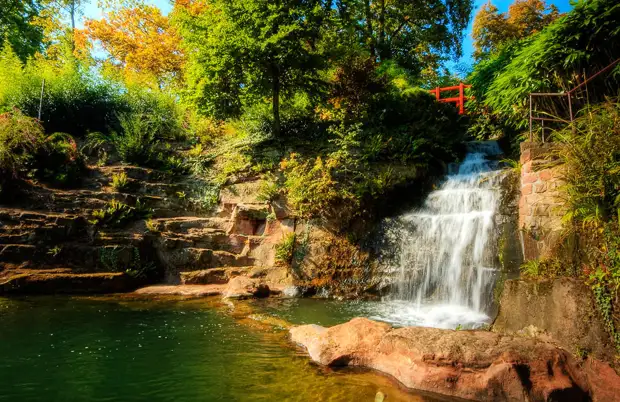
point(540, 206)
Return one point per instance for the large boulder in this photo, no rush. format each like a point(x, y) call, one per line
point(242, 287)
point(475, 365)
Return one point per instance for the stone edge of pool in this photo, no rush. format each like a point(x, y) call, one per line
point(473, 365)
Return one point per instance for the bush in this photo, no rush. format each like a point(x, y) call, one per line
point(120, 181)
point(118, 214)
point(59, 161)
point(74, 100)
point(312, 188)
point(77, 100)
point(21, 138)
point(590, 150)
point(285, 249)
point(159, 109)
point(591, 154)
point(139, 141)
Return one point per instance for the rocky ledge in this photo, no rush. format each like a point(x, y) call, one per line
point(474, 365)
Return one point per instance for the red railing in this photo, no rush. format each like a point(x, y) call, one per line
point(459, 100)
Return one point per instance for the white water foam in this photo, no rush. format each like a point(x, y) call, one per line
point(445, 267)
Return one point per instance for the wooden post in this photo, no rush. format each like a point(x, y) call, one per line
point(461, 99)
point(41, 98)
point(437, 93)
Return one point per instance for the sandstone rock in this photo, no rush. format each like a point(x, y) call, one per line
point(475, 365)
point(212, 276)
point(64, 281)
point(242, 287)
point(562, 308)
point(182, 290)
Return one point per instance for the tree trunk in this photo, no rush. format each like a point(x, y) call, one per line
point(369, 29)
point(381, 42)
point(72, 7)
point(276, 100)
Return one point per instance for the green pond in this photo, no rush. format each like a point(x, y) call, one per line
point(118, 349)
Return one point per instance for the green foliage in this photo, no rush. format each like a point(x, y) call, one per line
point(20, 139)
point(74, 99)
point(544, 268)
point(59, 161)
point(137, 267)
point(152, 226)
point(550, 61)
point(251, 48)
point(77, 100)
point(591, 153)
point(285, 249)
point(269, 187)
point(140, 141)
point(120, 181)
point(118, 214)
point(54, 251)
point(312, 188)
point(603, 275)
point(17, 26)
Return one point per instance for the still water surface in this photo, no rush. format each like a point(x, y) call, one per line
point(71, 349)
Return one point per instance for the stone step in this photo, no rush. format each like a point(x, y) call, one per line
point(83, 257)
point(24, 217)
point(213, 276)
point(182, 290)
point(132, 172)
point(187, 259)
point(212, 239)
point(184, 224)
point(64, 280)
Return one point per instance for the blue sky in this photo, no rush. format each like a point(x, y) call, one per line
point(92, 11)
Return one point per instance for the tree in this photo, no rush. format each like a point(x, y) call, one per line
point(493, 29)
point(240, 48)
point(17, 26)
point(395, 29)
point(140, 40)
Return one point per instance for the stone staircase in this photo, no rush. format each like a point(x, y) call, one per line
point(48, 234)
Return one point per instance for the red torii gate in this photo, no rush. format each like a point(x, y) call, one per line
point(459, 100)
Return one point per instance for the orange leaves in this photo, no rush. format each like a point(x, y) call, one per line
point(524, 17)
point(140, 40)
point(193, 7)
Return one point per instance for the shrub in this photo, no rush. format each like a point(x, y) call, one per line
point(75, 101)
point(152, 226)
point(21, 137)
point(120, 181)
point(590, 150)
point(269, 187)
point(285, 249)
point(312, 189)
point(60, 161)
point(118, 214)
point(137, 143)
point(591, 153)
point(157, 110)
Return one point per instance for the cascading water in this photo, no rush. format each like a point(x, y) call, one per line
point(443, 270)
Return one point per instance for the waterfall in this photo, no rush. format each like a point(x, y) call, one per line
point(445, 261)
